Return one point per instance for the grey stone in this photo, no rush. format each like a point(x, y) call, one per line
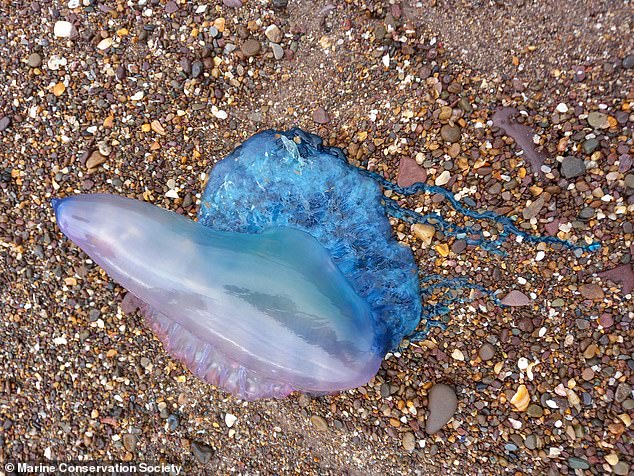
point(577, 463)
point(250, 47)
point(628, 61)
point(278, 51)
point(586, 213)
point(202, 452)
point(598, 120)
point(442, 405)
point(34, 60)
point(572, 167)
point(590, 145)
point(172, 422)
point(450, 133)
point(532, 210)
point(486, 352)
point(197, 68)
point(623, 391)
point(621, 468)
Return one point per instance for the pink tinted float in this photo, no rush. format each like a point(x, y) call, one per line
point(260, 315)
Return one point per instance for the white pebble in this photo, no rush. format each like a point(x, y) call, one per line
point(105, 44)
point(443, 178)
point(230, 419)
point(561, 107)
point(522, 363)
point(73, 4)
point(553, 452)
point(171, 194)
point(218, 113)
point(516, 424)
point(55, 62)
point(60, 340)
point(521, 280)
point(137, 96)
point(540, 256)
point(551, 404)
point(63, 29)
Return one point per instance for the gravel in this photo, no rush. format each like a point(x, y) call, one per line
point(142, 98)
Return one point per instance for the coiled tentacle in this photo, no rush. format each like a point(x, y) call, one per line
point(507, 223)
point(431, 313)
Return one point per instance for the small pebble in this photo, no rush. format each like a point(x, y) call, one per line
point(278, 51)
point(4, 122)
point(516, 298)
point(409, 441)
point(202, 452)
point(250, 47)
point(320, 116)
point(562, 108)
point(450, 133)
point(572, 167)
point(230, 420)
point(274, 34)
point(486, 352)
point(95, 159)
point(35, 60)
point(319, 423)
point(129, 442)
point(63, 29)
point(598, 120)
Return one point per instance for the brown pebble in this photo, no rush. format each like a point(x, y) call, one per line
point(450, 133)
point(591, 291)
point(409, 441)
point(319, 423)
point(320, 116)
point(250, 47)
point(95, 159)
point(486, 352)
point(590, 351)
point(129, 442)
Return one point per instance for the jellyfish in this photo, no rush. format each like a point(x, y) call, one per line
point(291, 278)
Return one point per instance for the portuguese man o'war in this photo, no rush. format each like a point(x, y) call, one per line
point(291, 280)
